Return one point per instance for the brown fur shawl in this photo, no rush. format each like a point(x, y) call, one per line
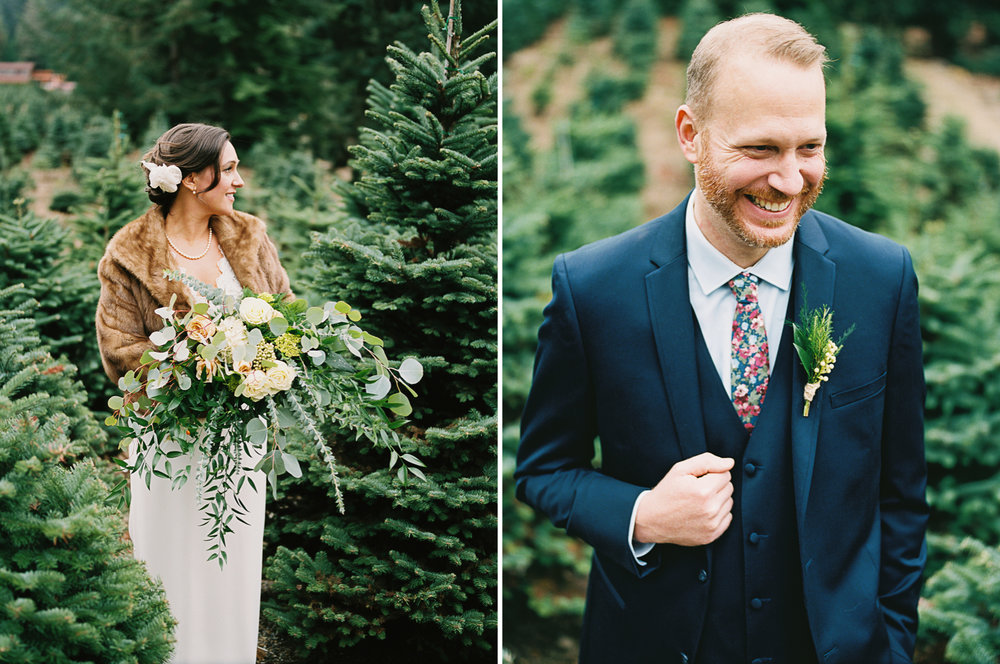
point(133, 285)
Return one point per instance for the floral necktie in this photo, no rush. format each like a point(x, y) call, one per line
point(750, 368)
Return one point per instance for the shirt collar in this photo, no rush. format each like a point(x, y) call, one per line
point(712, 269)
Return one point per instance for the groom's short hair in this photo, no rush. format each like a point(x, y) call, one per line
point(751, 34)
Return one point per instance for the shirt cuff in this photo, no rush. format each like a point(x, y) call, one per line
point(639, 549)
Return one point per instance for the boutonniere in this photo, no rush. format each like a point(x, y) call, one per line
point(812, 338)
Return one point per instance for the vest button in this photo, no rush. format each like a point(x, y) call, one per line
point(702, 576)
point(755, 603)
point(750, 469)
point(754, 538)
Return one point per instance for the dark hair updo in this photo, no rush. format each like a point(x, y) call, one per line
point(191, 147)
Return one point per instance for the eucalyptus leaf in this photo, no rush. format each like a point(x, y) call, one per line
point(115, 403)
point(163, 336)
point(201, 308)
point(254, 337)
point(291, 464)
point(315, 315)
point(399, 404)
point(379, 387)
point(257, 431)
point(285, 418)
point(411, 371)
point(338, 362)
point(278, 326)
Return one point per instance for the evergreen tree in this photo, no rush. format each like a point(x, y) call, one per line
point(412, 563)
point(69, 589)
point(960, 608)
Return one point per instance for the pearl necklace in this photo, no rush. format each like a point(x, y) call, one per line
point(192, 258)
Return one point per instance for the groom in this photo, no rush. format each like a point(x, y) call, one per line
point(727, 525)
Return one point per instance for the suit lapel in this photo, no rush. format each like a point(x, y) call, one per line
point(673, 331)
point(814, 277)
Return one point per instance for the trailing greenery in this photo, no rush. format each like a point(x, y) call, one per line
point(69, 587)
point(414, 248)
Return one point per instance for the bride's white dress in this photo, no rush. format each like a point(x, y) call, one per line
point(216, 609)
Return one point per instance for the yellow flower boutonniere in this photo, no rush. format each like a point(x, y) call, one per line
point(812, 338)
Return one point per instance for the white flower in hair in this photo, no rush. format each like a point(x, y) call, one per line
point(163, 177)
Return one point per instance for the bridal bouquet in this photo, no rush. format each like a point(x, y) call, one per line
point(229, 377)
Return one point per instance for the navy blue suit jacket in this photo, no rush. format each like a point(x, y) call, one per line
point(616, 361)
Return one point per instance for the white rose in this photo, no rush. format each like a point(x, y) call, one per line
point(235, 331)
point(256, 311)
point(163, 177)
point(255, 385)
point(280, 376)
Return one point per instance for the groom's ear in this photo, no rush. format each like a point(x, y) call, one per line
point(687, 133)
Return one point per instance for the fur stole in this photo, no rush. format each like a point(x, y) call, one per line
point(133, 285)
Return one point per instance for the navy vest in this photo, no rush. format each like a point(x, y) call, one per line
point(756, 612)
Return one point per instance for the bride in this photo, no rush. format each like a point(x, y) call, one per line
point(192, 180)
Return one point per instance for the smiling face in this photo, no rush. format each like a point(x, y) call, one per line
point(758, 155)
point(220, 198)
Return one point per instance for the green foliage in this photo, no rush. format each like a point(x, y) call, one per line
point(525, 22)
point(697, 17)
point(56, 127)
point(586, 189)
point(960, 609)
point(113, 185)
point(592, 18)
point(607, 93)
point(40, 254)
point(70, 589)
point(294, 71)
point(635, 36)
point(58, 263)
point(414, 248)
point(959, 281)
point(292, 191)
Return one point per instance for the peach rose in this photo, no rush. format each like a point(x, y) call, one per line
point(200, 328)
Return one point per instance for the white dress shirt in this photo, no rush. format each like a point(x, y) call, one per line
point(714, 305)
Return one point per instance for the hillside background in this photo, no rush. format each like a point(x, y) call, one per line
point(590, 89)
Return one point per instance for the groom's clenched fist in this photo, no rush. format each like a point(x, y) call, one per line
point(692, 505)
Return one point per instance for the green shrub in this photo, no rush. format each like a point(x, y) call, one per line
point(70, 589)
point(960, 609)
point(412, 565)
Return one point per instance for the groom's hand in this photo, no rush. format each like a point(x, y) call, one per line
point(691, 506)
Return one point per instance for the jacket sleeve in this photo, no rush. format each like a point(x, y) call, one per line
point(902, 502)
point(555, 472)
point(121, 335)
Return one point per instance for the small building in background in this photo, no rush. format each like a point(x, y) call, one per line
point(16, 73)
point(22, 73)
